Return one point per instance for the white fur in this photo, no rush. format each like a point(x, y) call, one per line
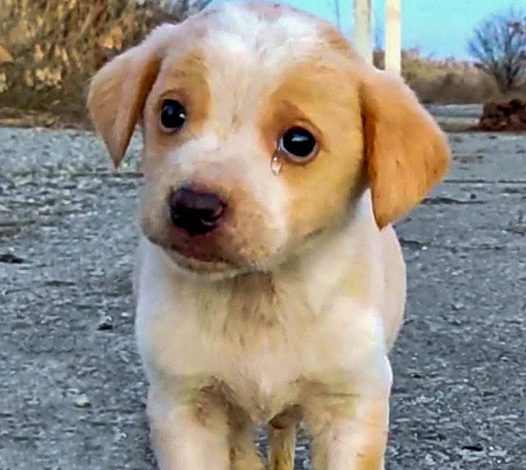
point(240, 31)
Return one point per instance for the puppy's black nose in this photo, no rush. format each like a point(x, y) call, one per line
point(195, 212)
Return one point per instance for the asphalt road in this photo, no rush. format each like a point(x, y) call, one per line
point(71, 387)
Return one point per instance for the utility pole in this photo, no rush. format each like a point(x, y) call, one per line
point(393, 37)
point(362, 29)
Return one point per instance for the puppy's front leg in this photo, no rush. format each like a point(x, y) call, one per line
point(188, 435)
point(349, 430)
point(354, 440)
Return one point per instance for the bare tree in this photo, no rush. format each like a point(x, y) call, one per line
point(499, 46)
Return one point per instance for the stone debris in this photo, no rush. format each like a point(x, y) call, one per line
point(82, 401)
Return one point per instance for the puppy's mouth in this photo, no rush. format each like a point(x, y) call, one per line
point(212, 269)
point(202, 258)
point(193, 258)
point(194, 255)
point(198, 263)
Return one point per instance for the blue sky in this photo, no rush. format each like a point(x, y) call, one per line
point(438, 27)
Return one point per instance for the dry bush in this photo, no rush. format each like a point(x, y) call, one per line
point(57, 45)
point(444, 81)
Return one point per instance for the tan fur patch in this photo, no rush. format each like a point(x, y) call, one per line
point(320, 190)
point(406, 151)
point(182, 79)
point(371, 454)
point(119, 90)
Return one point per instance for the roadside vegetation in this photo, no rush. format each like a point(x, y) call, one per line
point(50, 48)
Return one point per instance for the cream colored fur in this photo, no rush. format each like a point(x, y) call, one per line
point(292, 317)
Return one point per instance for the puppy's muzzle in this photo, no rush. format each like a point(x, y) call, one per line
point(196, 212)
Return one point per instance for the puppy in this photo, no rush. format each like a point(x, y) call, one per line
point(270, 284)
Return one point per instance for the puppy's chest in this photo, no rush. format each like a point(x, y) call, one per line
point(261, 339)
point(258, 338)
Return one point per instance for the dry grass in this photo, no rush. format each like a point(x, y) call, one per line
point(444, 81)
point(58, 44)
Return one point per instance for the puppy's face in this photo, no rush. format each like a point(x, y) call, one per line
point(261, 128)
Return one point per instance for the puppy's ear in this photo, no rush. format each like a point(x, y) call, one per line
point(118, 91)
point(406, 152)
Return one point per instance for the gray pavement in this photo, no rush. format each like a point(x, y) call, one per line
point(71, 387)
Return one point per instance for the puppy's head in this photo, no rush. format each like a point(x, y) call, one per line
point(228, 90)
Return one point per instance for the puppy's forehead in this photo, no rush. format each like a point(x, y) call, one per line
point(266, 37)
point(243, 53)
point(263, 33)
point(246, 48)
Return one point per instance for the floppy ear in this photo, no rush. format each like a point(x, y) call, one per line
point(406, 153)
point(118, 91)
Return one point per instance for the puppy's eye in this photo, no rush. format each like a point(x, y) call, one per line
point(173, 115)
point(298, 144)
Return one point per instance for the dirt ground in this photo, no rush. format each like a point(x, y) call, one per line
point(71, 387)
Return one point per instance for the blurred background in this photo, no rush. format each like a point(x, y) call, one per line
point(452, 51)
